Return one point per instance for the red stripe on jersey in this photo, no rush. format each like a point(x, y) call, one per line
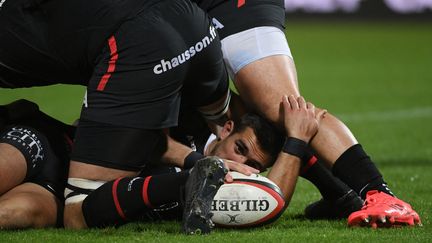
point(111, 63)
point(145, 194)
point(116, 201)
point(240, 3)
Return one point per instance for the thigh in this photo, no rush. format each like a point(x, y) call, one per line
point(96, 172)
point(13, 167)
point(243, 48)
point(28, 205)
point(270, 77)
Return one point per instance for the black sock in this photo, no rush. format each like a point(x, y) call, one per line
point(356, 169)
point(127, 199)
point(330, 187)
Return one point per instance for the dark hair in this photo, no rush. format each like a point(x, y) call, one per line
point(269, 138)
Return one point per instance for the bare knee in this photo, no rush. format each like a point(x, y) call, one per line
point(19, 213)
point(16, 217)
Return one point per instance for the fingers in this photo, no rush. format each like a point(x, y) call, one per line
point(296, 103)
point(229, 178)
point(242, 168)
point(235, 166)
point(286, 104)
point(293, 102)
point(301, 102)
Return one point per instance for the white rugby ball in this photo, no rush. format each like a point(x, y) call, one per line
point(247, 201)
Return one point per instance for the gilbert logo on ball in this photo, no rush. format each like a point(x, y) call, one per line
point(247, 201)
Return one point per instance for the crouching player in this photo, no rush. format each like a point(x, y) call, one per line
point(34, 160)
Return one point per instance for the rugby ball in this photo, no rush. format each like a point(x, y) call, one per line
point(247, 201)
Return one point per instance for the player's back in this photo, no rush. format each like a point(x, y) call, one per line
point(64, 37)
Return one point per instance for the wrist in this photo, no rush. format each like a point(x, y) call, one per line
point(295, 147)
point(191, 159)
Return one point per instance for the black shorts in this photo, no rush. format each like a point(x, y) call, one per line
point(233, 16)
point(142, 76)
point(46, 148)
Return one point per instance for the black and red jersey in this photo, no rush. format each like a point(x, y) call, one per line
point(233, 16)
point(65, 35)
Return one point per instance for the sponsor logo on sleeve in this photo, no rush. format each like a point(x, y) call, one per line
point(166, 65)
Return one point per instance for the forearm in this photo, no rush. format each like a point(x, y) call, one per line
point(284, 173)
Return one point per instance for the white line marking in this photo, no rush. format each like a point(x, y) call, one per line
point(378, 116)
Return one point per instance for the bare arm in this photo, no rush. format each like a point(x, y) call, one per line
point(284, 173)
point(300, 122)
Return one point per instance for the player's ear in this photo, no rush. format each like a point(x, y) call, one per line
point(227, 129)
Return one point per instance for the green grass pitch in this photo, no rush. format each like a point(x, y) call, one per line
point(376, 76)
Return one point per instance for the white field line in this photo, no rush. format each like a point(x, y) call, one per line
point(389, 115)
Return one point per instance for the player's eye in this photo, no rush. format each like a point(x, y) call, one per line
point(240, 149)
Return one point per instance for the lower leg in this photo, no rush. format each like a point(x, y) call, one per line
point(338, 201)
point(128, 199)
point(334, 142)
point(330, 187)
point(356, 169)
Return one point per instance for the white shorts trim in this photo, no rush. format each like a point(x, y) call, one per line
point(250, 45)
point(217, 112)
point(83, 184)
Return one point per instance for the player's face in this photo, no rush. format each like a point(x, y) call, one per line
point(242, 147)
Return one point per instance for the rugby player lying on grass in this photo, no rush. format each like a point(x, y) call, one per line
point(34, 162)
point(35, 150)
point(251, 140)
point(260, 63)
